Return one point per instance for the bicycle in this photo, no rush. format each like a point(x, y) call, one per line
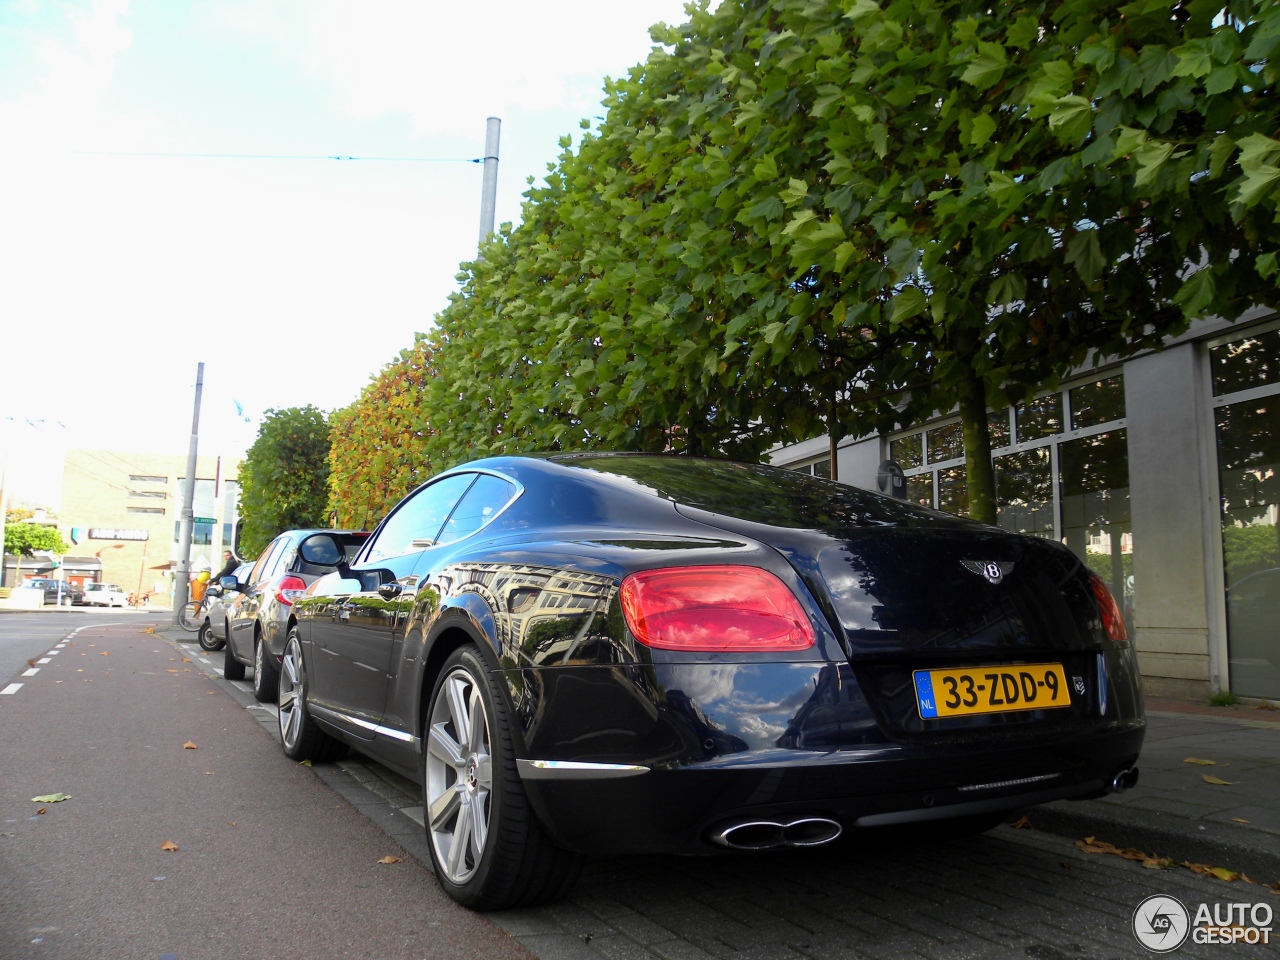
point(192, 612)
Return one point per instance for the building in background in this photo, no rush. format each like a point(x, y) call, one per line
point(1161, 472)
point(123, 509)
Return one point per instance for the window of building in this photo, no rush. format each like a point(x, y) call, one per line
point(1096, 403)
point(148, 494)
point(142, 478)
point(158, 511)
point(816, 468)
point(1246, 383)
point(945, 443)
point(908, 451)
point(1039, 418)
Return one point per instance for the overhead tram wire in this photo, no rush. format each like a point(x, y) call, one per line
point(271, 156)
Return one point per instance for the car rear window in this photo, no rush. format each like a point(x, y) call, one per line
point(757, 493)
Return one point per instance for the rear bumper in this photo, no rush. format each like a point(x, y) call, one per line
point(636, 759)
point(674, 810)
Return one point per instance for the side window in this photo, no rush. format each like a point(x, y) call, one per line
point(487, 496)
point(266, 560)
point(416, 523)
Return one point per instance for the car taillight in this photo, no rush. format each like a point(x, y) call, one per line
point(1112, 619)
point(290, 589)
point(714, 609)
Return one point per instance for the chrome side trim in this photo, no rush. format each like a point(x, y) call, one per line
point(376, 728)
point(573, 770)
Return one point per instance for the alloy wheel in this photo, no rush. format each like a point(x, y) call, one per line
point(459, 775)
point(292, 690)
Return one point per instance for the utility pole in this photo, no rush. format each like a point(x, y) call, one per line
point(182, 573)
point(489, 193)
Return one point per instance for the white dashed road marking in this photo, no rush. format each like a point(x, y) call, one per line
point(11, 688)
point(31, 673)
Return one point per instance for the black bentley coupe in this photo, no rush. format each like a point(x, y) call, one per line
point(633, 653)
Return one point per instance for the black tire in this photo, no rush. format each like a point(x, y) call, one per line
point(300, 737)
point(232, 669)
point(266, 676)
point(472, 777)
point(206, 638)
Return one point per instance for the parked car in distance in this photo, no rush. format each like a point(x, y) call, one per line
point(58, 593)
point(104, 595)
point(258, 619)
point(637, 654)
point(212, 632)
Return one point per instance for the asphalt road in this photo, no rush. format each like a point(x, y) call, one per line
point(269, 863)
point(26, 636)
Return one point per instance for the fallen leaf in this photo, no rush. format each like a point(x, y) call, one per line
point(1214, 780)
point(41, 811)
point(190, 745)
point(1239, 820)
point(31, 662)
point(391, 860)
point(105, 653)
point(151, 630)
point(233, 823)
point(169, 846)
point(305, 763)
point(1268, 706)
point(208, 773)
point(186, 660)
point(170, 670)
point(51, 798)
point(1022, 823)
point(1203, 763)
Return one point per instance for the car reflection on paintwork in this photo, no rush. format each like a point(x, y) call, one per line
point(586, 653)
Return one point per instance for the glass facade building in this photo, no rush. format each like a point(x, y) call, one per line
point(1160, 473)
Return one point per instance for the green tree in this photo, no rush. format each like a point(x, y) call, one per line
point(378, 452)
point(802, 216)
point(284, 476)
point(24, 539)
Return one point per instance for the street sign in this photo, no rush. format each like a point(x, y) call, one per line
point(203, 520)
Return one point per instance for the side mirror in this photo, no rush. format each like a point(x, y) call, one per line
point(229, 584)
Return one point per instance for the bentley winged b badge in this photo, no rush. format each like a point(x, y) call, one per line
point(993, 571)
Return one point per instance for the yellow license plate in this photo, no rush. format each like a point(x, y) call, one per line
point(965, 691)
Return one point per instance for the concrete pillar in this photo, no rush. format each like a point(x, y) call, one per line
point(1171, 463)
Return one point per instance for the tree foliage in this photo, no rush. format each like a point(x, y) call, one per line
point(809, 216)
point(24, 539)
point(378, 443)
point(284, 476)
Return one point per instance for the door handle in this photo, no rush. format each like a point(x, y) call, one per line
point(389, 591)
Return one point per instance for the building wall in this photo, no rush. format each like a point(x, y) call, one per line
point(1162, 529)
point(115, 494)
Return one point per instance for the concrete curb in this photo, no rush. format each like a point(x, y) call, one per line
point(1251, 852)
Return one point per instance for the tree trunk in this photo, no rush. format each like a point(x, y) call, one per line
point(979, 470)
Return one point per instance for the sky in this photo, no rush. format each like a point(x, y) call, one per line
point(166, 197)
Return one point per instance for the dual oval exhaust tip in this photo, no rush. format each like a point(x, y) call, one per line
point(772, 834)
point(1123, 780)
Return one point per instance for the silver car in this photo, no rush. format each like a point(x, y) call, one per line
point(258, 620)
point(212, 632)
